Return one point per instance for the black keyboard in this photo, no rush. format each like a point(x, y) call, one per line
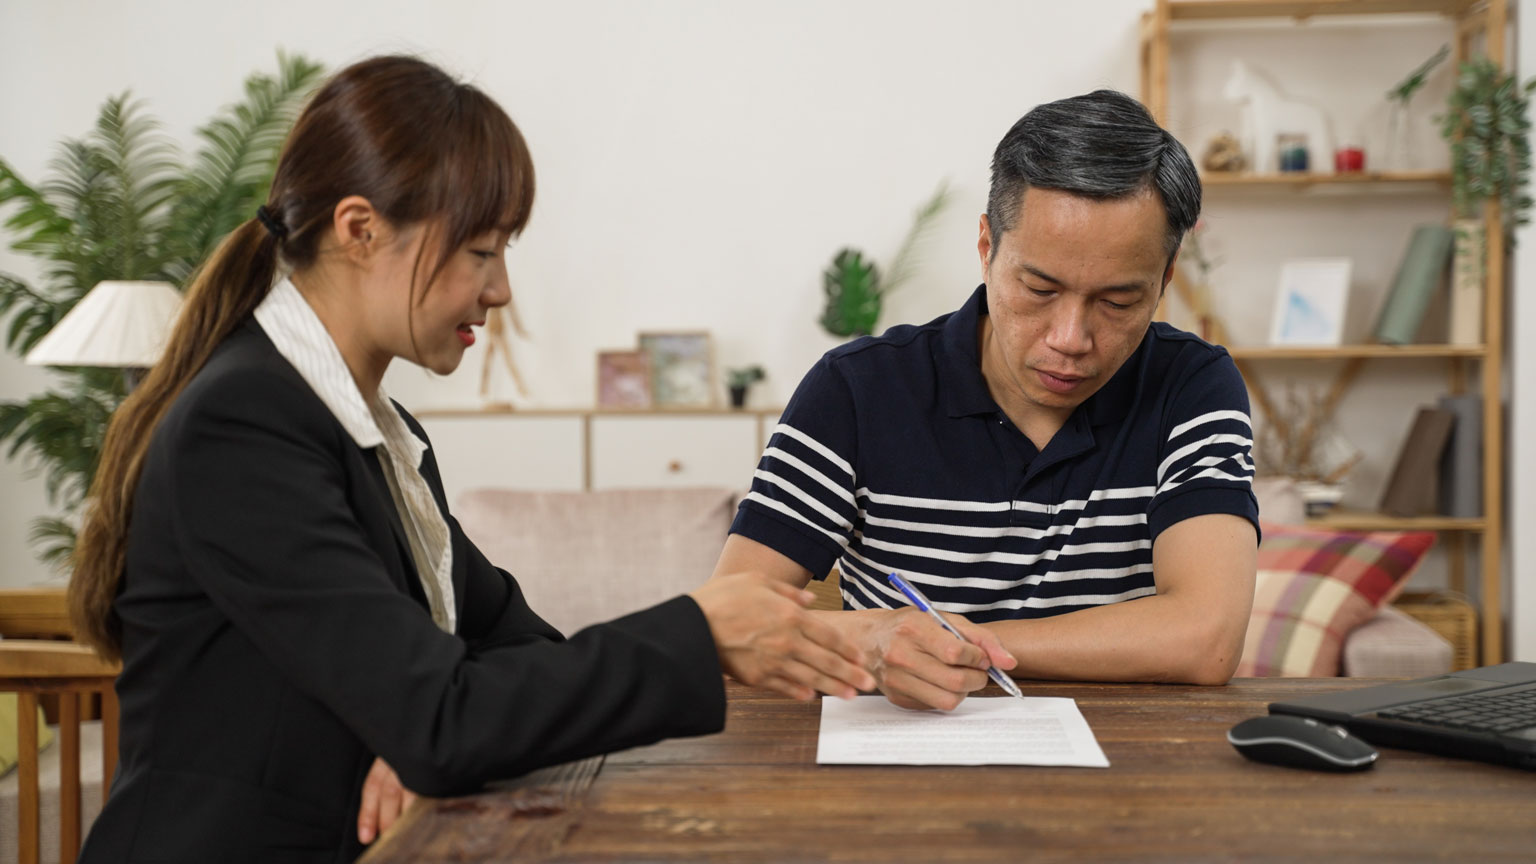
point(1502, 712)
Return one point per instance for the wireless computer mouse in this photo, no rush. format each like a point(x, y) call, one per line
point(1301, 742)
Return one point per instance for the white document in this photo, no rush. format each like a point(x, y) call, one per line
point(869, 730)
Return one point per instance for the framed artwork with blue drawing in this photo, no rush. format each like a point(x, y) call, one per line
point(1310, 302)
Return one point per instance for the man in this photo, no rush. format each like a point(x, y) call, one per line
point(1047, 462)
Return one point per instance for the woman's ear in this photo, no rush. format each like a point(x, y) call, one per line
point(355, 227)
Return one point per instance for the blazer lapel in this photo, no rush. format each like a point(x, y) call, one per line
point(404, 568)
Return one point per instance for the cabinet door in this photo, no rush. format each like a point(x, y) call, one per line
point(534, 453)
point(640, 452)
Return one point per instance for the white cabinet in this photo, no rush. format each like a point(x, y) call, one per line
point(577, 449)
point(656, 450)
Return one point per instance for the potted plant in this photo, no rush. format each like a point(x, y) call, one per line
point(738, 380)
point(1487, 125)
point(122, 203)
point(854, 286)
point(1399, 149)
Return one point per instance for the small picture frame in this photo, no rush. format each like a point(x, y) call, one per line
point(682, 369)
point(1310, 302)
point(623, 379)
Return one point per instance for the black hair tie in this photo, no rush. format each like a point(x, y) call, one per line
point(270, 222)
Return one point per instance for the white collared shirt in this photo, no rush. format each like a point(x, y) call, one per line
point(303, 341)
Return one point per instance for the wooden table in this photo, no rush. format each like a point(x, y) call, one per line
point(1175, 791)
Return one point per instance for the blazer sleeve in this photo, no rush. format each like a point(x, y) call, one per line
point(258, 489)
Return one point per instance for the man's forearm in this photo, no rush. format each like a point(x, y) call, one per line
point(1160, 638)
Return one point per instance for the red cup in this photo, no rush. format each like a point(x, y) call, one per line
point(1347, 160)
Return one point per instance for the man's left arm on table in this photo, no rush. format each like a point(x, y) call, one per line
point(1191, 631)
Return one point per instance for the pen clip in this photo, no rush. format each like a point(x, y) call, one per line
point(911, 594)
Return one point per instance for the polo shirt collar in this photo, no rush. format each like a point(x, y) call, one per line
point(965, 390)
point(1113, 401)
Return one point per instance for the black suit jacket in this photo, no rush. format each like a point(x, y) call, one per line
point(276, 639)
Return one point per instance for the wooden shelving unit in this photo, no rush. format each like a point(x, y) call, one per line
point(1357, 352)
point(1212, 10)
point(1474, 21)
point(1347, 520)
point(1304, 181)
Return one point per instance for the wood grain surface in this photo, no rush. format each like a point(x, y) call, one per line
point(1175, 791)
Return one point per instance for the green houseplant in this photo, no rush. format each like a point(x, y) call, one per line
point(854, 286)
point(1487, 125)
point(739, 379)
point(123, 203)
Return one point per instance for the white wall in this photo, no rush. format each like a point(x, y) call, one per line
point(699, 162)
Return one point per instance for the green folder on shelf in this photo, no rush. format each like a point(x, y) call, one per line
point(1418, 278)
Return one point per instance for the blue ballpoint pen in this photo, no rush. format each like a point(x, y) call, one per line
point(922, 603)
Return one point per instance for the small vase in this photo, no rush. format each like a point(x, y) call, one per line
point(738, 397)
point(1399, 148)
point(1468, 275)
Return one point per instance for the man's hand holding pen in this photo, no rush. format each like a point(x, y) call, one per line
point(916, 662)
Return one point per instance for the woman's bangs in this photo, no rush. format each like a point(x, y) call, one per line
point(496, 192)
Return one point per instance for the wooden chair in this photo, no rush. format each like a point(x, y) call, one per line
point(47, 664)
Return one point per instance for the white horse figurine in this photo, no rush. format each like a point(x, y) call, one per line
point(1267, 113)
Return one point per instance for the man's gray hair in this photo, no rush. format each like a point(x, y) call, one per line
point(1103, 146)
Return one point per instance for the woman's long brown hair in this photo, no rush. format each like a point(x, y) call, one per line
point(421, 147)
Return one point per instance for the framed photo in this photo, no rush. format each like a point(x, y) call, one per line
point(1309, 305)
point(682, 369)
point(623, 379)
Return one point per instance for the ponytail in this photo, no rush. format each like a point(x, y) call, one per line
point(224, 291)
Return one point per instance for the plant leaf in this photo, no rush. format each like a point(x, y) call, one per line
point(853, 295)
point(231, 174)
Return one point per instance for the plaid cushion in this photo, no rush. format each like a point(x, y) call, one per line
point(1316, 585)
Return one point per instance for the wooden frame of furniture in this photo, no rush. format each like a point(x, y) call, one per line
point(32, 668)
point(1475, 21)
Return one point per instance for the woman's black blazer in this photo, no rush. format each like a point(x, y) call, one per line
point(276, 639)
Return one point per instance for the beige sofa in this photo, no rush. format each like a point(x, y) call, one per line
point(584, 557)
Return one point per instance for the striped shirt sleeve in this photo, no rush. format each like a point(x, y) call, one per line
point(1205, 457)
point(801, 502)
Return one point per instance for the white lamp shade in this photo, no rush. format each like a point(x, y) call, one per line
point(122, 324)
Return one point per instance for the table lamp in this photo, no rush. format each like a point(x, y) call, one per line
point(122, 324)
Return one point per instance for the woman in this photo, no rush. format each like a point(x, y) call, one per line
point(270, 550)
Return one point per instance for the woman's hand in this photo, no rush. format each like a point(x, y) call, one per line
point(384, 799)
point(766, 638)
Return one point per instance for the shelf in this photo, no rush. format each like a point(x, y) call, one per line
point(1300, 180)
point(1350, 520)
point(1210, 10)
point(1355, 352)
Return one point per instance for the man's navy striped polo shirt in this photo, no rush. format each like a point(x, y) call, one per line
point(892, 455)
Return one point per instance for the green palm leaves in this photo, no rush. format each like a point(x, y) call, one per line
point(122, 202)
point(854, 287)
point(231, 174)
